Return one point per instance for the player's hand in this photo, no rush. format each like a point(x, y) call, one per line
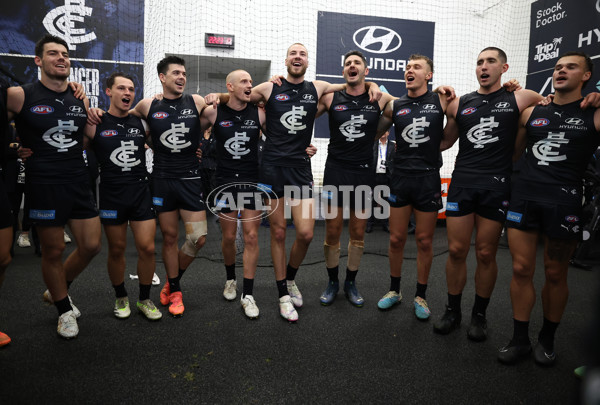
point(78, 90)
point(375, 93)
point(276, 80)
point(24, 153)
point(591, 100)
point(94, 116)
point(158, 96)
point(547, 100)
point(311, 150)
point(448, 91)
point(199, 154)
point(212, 99)
point(512, 85)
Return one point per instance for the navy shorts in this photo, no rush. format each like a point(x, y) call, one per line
point(490, 204)
point(422, 193)
point(347, 188)
point(172, 194)
point(557, 221)
point(276, 180)
point(120, 203)
point(55, 204)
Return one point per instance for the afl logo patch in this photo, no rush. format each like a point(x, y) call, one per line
point(226, 124)
point(468, 111)
point(572, 218)
point(505, 203)
point(75, 109)
point(403, 111)
point(540, 122)
point(108, 133)
point(340, 108)
point(282, 97)
point(42, 109)
point(160, 115)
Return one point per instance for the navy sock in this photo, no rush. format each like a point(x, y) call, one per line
point(291, 273)
point(120, 291)
point(230, 270)
point(454, 302)
point(180, 274)
point(351, 275)
point(333, 273)
point(282, 288)
point(546, 336)
point(248, 286)
point(63, 305)
point(174, 284)
point(421, 290)
point(395, 284)
point(480, 305)
point(145, 291)
point(520, 332)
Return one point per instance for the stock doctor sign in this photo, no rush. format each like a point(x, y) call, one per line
point(558, 27)
point(386, 43)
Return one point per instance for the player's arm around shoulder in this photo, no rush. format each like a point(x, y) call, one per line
point(142, 108)
point(261, 93)
point(324, 104)
point(386, 98)
point(199, 101)
point(451, 133)
point(324, 87)
point(597, 120)
point(385, 119)
point(208, 118)
point(15, 98)
point(527, 98)
point(521, 139)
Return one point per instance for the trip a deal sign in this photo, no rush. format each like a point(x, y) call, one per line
point(386, 43)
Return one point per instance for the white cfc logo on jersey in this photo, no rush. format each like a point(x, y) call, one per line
point(61, 22)
point(543, 149)
point(123, 156)
point(480, 133)
point(413, 133)
point(292, 120)
point(236, 145)
point(59, 136)
point(350, 129)
point(174, 138)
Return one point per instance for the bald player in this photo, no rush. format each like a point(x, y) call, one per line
point(285, 170)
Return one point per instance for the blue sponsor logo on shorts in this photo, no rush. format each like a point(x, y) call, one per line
point(42, 214)
point(264, 187)
point(108, 214)
point(514, 216)
point(451, 206)
point(328, 195)
point(221, 204)
point(157, 201)
point(392, 198)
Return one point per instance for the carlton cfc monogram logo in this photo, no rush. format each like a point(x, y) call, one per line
point(174, 138)
point(236, 145)
point(413, 133)
point(480, 133)
point(59, 136)
point(292, 120)
point(124, 156)
point(62, 20)
point(544, 151)
point(351, 129)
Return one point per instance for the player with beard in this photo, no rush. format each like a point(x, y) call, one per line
point(415, 186)
point(50, 121)
point(353, 126)
point(291, 109)
point(484, 121)
point(546, 202)
point(174, 122)
point(125, 195)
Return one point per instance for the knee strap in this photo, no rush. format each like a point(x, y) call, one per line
point(332, 255)
point(355, 252)
point(193, 232)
